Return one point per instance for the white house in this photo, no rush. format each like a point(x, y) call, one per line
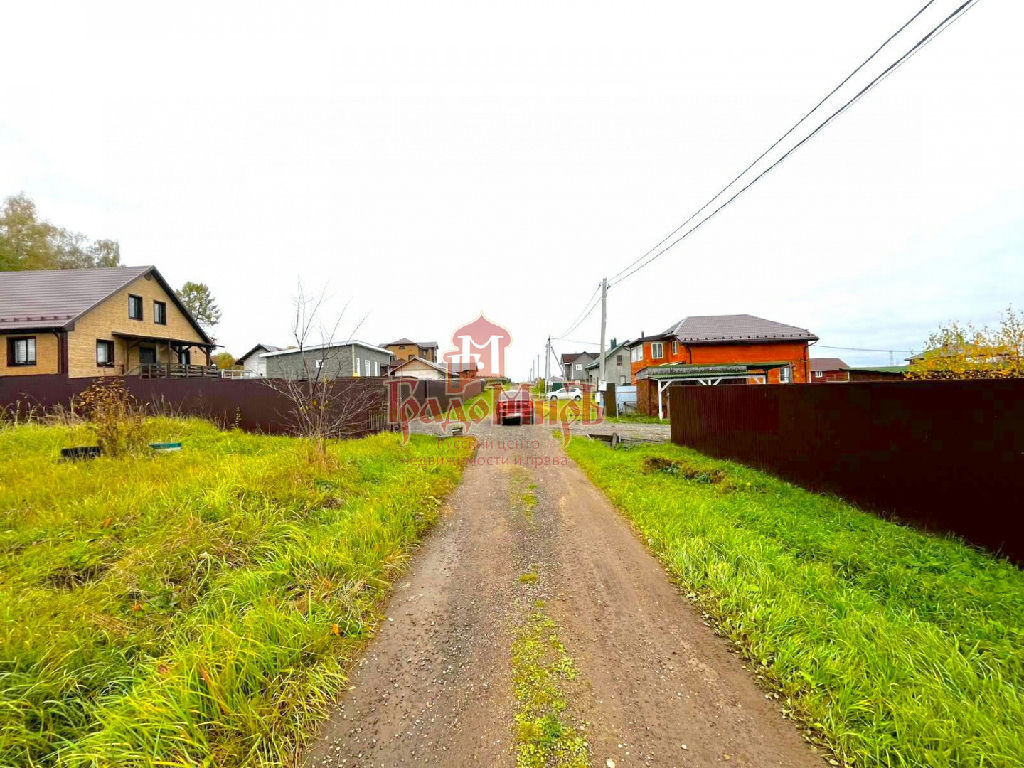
point(254, 363)
point(418, 368)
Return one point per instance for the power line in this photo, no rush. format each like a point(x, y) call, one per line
point(892, 67)
point(592, 302)
point(778, 141)
point(861, 349)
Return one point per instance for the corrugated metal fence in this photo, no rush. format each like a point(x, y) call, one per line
point(246, 403)
point(947, 455)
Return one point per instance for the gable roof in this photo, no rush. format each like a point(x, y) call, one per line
point(334, 345)
point(709, 329)
point(258, 348)
point(410, 342)
point(435, 366)
point(572, 357)
point(55, 298)
point(401, 341)
point(608, 353)
point(828, 364)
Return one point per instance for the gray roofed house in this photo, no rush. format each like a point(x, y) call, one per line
point(329, 361)
point(717, 329)
point(97, 321)
point(253, 363)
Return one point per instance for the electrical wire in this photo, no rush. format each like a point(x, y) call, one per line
point(779, 140)
point(938, 29)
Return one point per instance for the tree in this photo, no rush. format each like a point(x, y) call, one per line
point(198, 300)
point(224, 360)
point(964, 352)
point(27, 242)
point(321, 408)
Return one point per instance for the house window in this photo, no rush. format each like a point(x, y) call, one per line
point(134, 307)
point(618, 359)
point(160, 312)
point(319, 364)
point(675, 348)
point(104, 353)
point(657, 350)
point(579, 366)
point(376, 368)
point(22, 351)
point(818, 374)
point(636, 354)
point(785, 375)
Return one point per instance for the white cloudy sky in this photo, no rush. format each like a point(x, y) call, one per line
point(431, 161)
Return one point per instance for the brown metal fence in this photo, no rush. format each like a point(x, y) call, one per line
point(947, 455)
point(246, 403)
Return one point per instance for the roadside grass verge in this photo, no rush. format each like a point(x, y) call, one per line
point(898, 648)
point(195, 608)
point(635, 418)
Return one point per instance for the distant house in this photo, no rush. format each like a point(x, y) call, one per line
point(253, 363)
point(328, 361)
point(405, 349)
point(616, 365)
point(574, 365)
point(828, 369)
point(418, 368)
point(98, 322)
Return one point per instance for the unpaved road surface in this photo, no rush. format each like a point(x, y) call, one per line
point(435, 688)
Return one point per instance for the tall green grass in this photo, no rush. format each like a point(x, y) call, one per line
point(898, 647)
point(196, 608)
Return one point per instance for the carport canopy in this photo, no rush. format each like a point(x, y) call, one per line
point(707, 375)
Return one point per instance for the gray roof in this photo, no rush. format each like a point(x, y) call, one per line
point(420, 344)
point(333, 345)
point(55, 298)
point(258, 348)
point(828, 364)
point(705, 329)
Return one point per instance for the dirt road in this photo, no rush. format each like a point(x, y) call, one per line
point(653, 686)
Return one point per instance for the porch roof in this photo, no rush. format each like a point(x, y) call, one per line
point(163, 340)
point(690, 371)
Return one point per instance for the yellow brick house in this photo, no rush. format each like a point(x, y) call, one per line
point(98, 322)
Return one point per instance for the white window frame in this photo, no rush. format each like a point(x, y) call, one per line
point(786, 375)
point(657, 350)
point(819, 374)
point(675, 348)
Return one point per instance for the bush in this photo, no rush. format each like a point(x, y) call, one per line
point(114, 416)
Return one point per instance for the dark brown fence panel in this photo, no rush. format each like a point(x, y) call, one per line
point(247, 403)
point(947, 455)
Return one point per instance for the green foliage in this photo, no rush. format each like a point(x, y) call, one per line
point(900, 648)
point(195, 608)
point(965, 352)
point(27, 242)
point(198, 299)
point(541, 669)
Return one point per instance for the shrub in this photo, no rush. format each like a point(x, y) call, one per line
point(114, 416)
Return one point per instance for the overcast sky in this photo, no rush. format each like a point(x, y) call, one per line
point(432, 161)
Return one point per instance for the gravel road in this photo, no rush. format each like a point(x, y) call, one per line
point(655, 686)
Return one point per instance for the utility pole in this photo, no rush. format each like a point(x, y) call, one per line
point(604, 321)
point(547, 363)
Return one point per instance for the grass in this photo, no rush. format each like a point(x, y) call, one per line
point(546, 735)
point(195, 608)
point(897, 648)
point(635, 418)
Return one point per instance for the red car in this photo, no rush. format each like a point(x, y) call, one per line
point(513, 405)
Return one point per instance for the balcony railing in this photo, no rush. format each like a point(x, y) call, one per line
point(175, 371)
